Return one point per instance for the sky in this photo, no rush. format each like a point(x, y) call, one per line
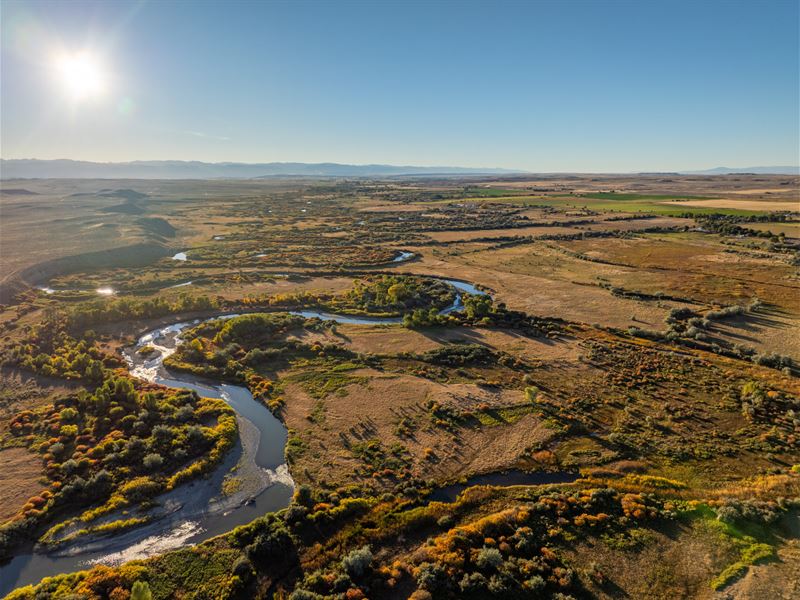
point(582, 86)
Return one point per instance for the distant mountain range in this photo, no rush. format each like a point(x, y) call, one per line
point(755, 170)
point(177, 169)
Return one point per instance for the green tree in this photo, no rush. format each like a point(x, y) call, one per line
point(94, 371)
point(141, 591)
point(397, 293)
point(477, 306)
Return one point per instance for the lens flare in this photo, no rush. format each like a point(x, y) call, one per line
point(81, 75)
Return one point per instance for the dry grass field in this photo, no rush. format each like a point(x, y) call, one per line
point(756, 186)
point(640, 343)
point(455, 236)
point(21, 472)
point(539, 280)
point(790, 230)
point(20, 478)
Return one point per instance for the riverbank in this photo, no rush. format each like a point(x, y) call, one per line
point(193, 512)
point(201, 509)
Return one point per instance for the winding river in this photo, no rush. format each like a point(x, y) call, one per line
point(198, 510)
point(402, 256)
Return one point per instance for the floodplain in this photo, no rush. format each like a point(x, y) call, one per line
point(607, 366)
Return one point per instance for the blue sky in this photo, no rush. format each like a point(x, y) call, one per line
point(540, 86)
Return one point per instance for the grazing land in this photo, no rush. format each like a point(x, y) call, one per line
point(478, 387)
point(18, 481)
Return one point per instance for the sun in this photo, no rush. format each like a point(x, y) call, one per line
point(81, 74)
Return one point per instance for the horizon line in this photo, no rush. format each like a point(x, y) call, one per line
point(509, 170)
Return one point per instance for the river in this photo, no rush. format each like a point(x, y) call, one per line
point(403, 256)
point(198, 510)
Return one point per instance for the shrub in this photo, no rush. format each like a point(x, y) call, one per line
point(68, 414)
point(488, 559)
point(56, 449)
point(431, 577)
point(162, 435)
point(153, 461)
point(141, 591)
point(69, 466)
point(304, 496)
point(270, 544)
point(195, 436)
point(459, 354)
point(242, 568)
point(755, 511)
point(445, 522)
point(69, 430)
point(473, 583)
point(357, 562)
point(140, 488)
point(535, 583)
point(185, 413)
point(301, 594)
point(501, 585)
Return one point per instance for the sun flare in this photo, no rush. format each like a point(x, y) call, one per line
point(81, 75)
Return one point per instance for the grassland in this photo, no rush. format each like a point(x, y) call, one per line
point(19, 480)
point(641, 339)
point(790, 229)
